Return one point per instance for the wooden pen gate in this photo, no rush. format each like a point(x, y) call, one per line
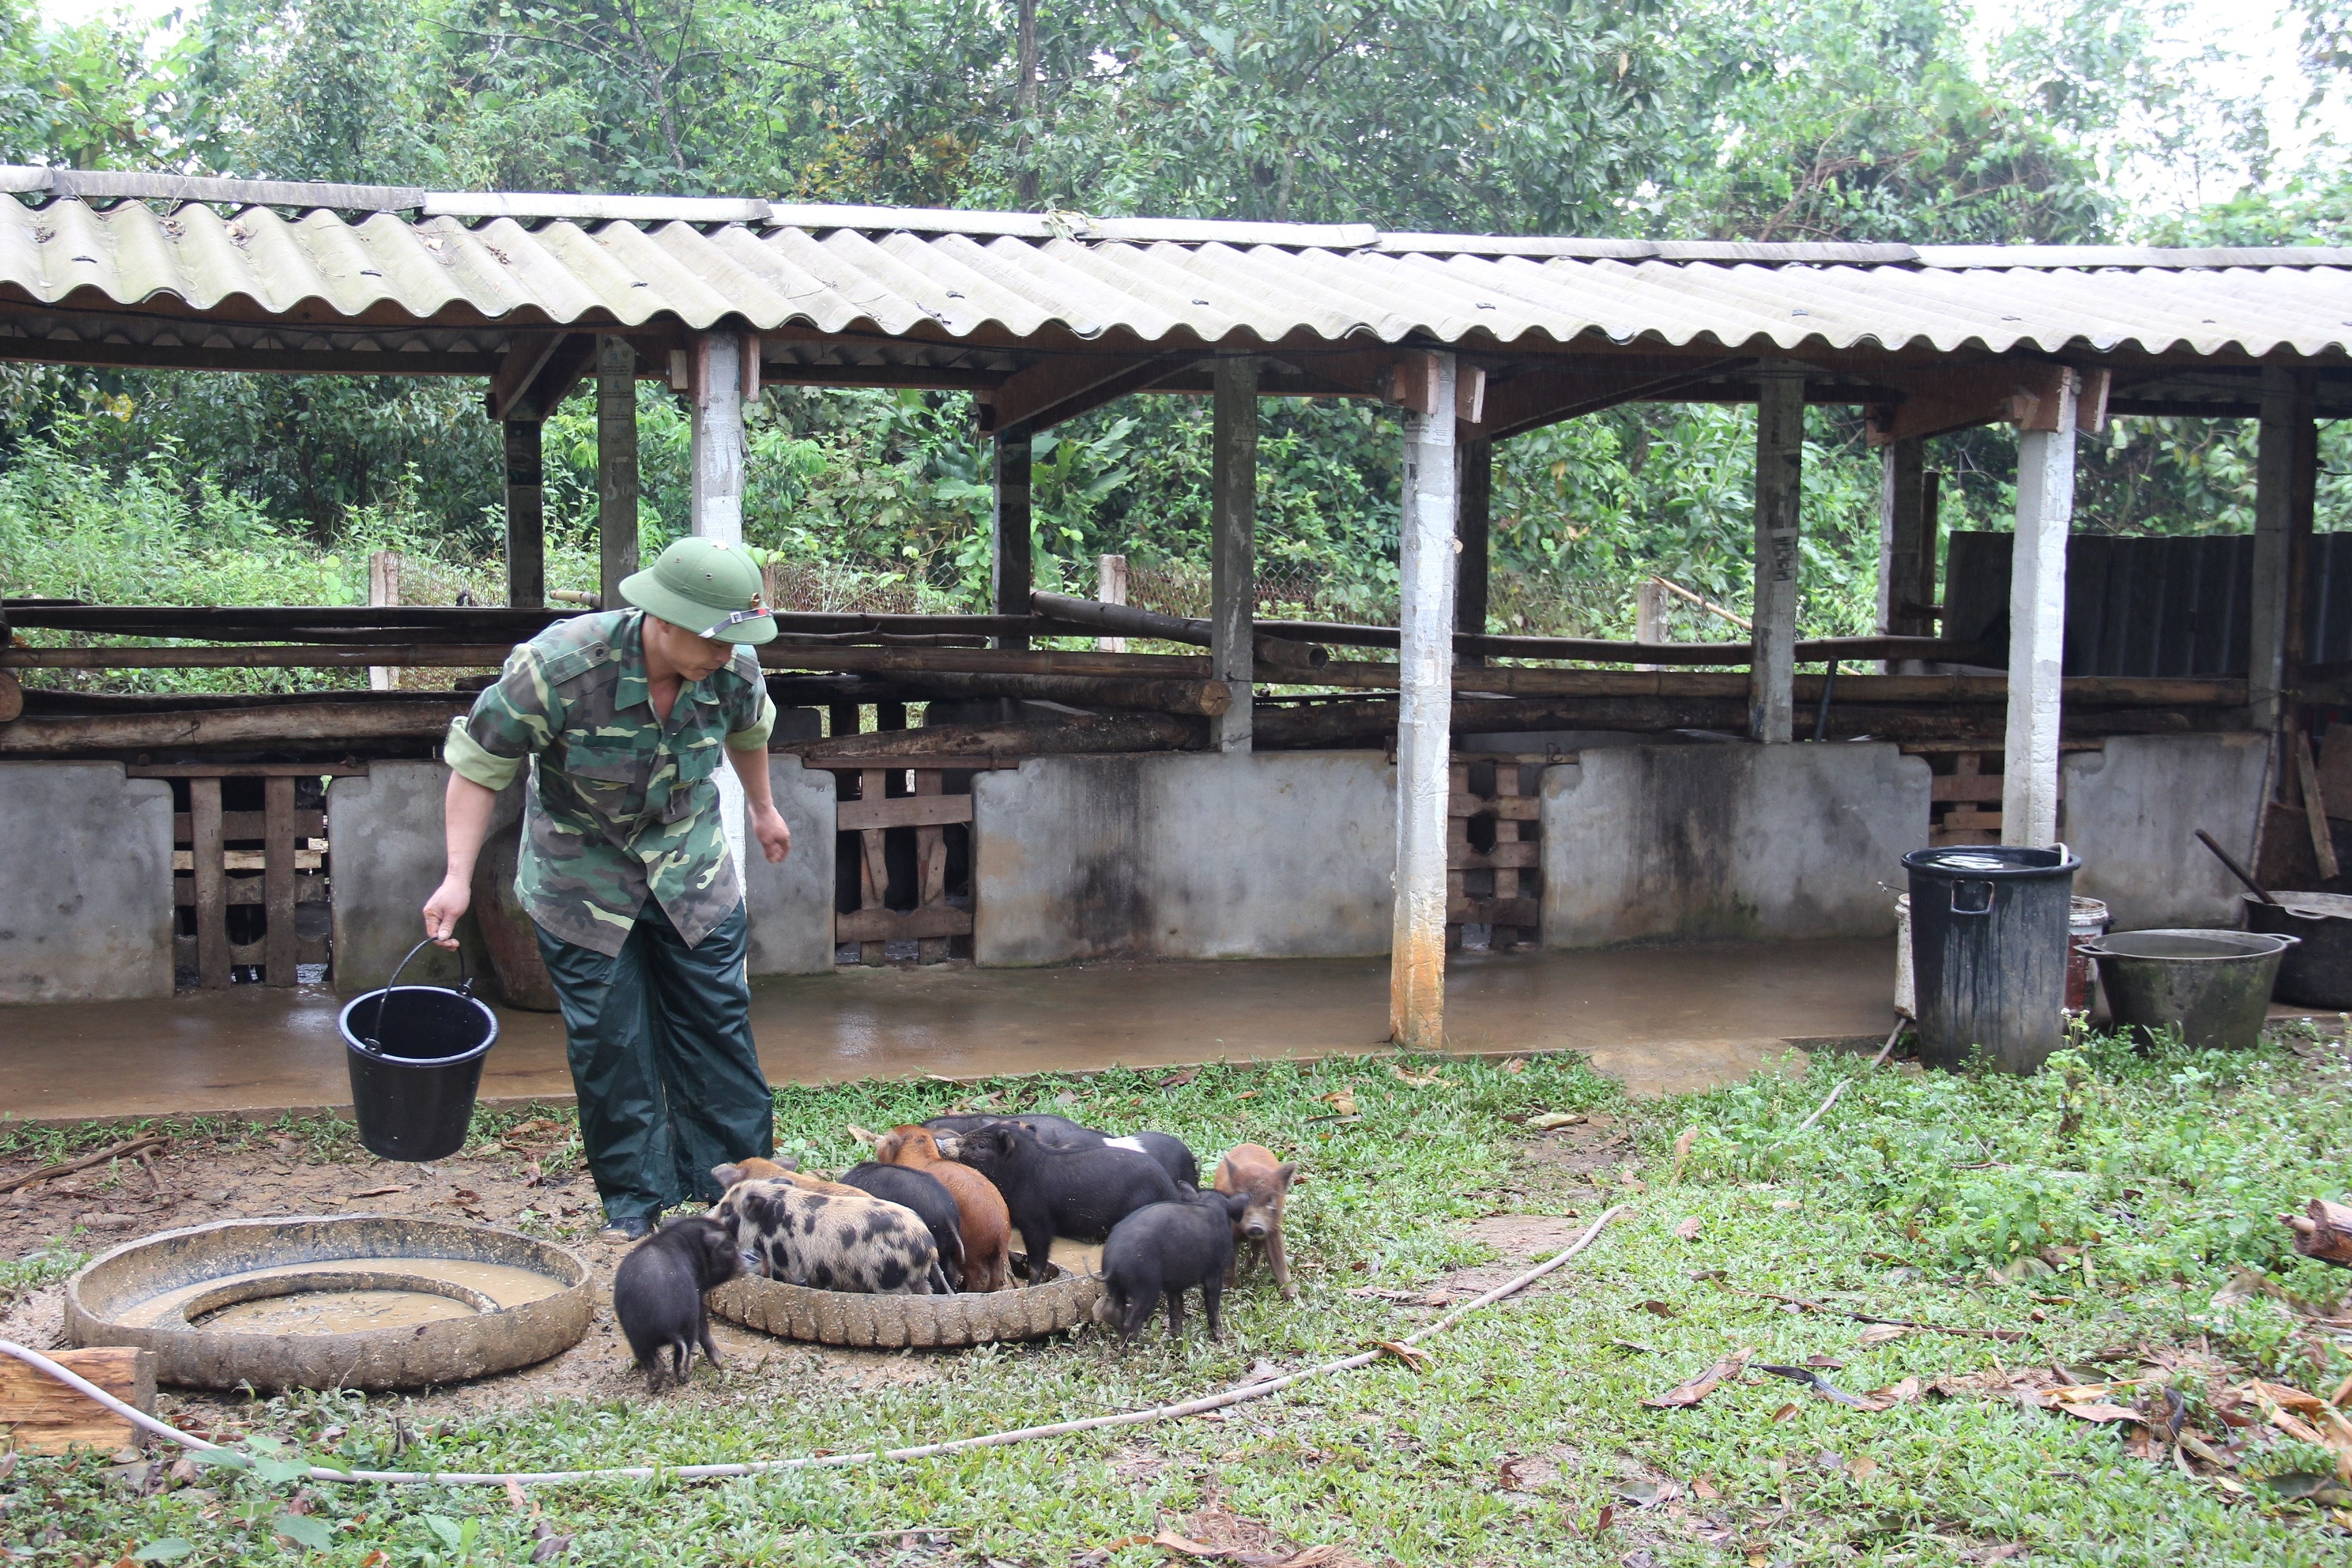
point(903, 861)
point(249, 864)
point(1493, 853)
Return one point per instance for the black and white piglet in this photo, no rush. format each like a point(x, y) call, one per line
point(1162, 1250)
point(657, 1293)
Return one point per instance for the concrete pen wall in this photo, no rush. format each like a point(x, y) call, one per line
point(85, 883)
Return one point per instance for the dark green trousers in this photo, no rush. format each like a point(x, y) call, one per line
point(660, 1045)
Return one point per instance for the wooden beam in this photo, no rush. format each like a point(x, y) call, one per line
point(910, 377)
point(1906, 539)
point(264, 361)
point(1232, 532)
point(617, 467)
point(2037, 618)
point(1779, 494)
point(1053, 390)
point(41, 1415)
point(526, 497)
point(517, 371)
point(1471, 532)
point(278, 879)
point(1546, 394)
point(1425, 572)
point(211, 882)
point(1012, 539)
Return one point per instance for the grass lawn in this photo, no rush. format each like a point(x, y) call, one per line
point(2112, 1222)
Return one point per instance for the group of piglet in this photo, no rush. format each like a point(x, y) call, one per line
point(935, 1212)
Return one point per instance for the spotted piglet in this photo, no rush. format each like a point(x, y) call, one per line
point(827, 1241)
point(1251, 1171)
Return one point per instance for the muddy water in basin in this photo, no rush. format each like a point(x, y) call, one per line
point(332, 1312)
point(338, 1309)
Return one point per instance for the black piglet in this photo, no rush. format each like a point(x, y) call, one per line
point(657, 1293)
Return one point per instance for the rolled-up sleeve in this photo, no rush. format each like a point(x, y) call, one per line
point(510, 720)
point(753, 736)
point(751, 711)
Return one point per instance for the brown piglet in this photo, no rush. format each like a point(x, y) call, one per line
point(980, 1207)
point(1251, 1171)
point(755, 1169)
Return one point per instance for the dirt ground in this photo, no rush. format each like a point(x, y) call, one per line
point(522, 1186)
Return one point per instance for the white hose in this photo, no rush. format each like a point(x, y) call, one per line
point(147, 1423)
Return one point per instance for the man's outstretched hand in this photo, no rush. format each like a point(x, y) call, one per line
point(449, 901)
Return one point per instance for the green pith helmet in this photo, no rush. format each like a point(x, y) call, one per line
point(707, 587)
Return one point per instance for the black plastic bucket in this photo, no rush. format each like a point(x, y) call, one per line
point(1989, 948)
point(418, 1064)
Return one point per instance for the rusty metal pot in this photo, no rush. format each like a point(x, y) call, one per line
point(2318, 974)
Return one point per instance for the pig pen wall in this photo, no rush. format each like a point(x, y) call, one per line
point(2132, 809)
point(1189, 856)
point(1649, 843)
point(85, 883)
point(389, 851)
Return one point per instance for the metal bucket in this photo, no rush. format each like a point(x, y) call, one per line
point(2319, 972)
point(2213, 986)
point(2087, 921)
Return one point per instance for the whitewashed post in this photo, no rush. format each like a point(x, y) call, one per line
point(1779, 489)
point(1233, 549)
point(383, 588)
point(1426, 570)
point(2037, 617)
point(2273, 568)
point(715, 495)
point(1110, 588)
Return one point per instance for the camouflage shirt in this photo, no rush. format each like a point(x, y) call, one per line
point(621, 806)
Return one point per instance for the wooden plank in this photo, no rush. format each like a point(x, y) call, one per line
point(2314, 807)
point(931, 863)
point(42, 1415)
point(1964, 786)
point(278, 880)
point(878, 926)
point(1503, 808)
point(237, 824)
point(250, 861)
point(1013, 541)
point(1514, 856)
point(1494, 912)
point(246, 770)
point(526, 498)
point(211, 880)
point(902, 811)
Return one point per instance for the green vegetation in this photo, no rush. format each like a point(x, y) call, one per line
point(1795, 120)
point(2116, 1217)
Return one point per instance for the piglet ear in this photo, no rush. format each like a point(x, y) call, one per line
point(887, 1150)
point(726, 1175)
point(1285, 1173)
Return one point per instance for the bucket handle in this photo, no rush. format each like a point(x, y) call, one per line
point(465, 987)
point(1983, 909)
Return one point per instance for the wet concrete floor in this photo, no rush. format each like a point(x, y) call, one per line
point(1658, 1019)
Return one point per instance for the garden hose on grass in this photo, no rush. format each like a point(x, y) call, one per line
point(147, 1423)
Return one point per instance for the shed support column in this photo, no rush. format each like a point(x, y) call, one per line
point(2037, 623)
point(1425, 571)
point(1232, 559)
point(2284, 475)
point(617, 467)
point(1906, 541)
point(714, 497)
point(1779, 487)
point(1473, 532)
point(1013, 541)
point(525, 516)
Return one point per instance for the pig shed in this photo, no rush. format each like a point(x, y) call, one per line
point(1273, 789)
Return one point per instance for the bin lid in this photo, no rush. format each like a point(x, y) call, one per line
point(1974, 862)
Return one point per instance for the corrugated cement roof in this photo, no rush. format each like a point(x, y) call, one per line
point(1009, 277)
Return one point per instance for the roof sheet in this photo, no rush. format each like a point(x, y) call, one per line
point(945, 277)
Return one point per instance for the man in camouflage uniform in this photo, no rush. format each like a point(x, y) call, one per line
point(624, 868)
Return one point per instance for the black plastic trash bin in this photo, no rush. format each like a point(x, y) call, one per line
point(415, 1055)
point(1988, 938)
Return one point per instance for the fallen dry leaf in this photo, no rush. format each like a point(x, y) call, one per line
point(1784, 1413)
point(1247, 1094)
point(1893, 1394)
point(1705, 1490)
point(1882, 1333)
point(1688, 1230)
point(1684, 1394)
point(2088, 1402)
point(1552, 1121)
point(1860, 1466)
point(1179, 1079)
point(1825, 1362)
point(1415, 1079)
point(862, 1136)
point(1683, 1148)
point(1175, 1542)
point(1342, 1101)
point(1516, 1065)
point(1415, 1359)
point(1655, 1309)
point(379, 1192)
point(517, 1499)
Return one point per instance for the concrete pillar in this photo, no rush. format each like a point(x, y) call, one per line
point(2284, 471)
point(1110, 588)
point(1906, 539)
point(617, 467)
point(1425, 571)
point(1014, 540)
point(1475, 560)
point(525, 516)
point(1780, 487)
point(2037, 623)
point(714, 496)
point(1233, 546)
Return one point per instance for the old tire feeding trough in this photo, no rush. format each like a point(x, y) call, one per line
point(367, 1301)
point(1055, 1305)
